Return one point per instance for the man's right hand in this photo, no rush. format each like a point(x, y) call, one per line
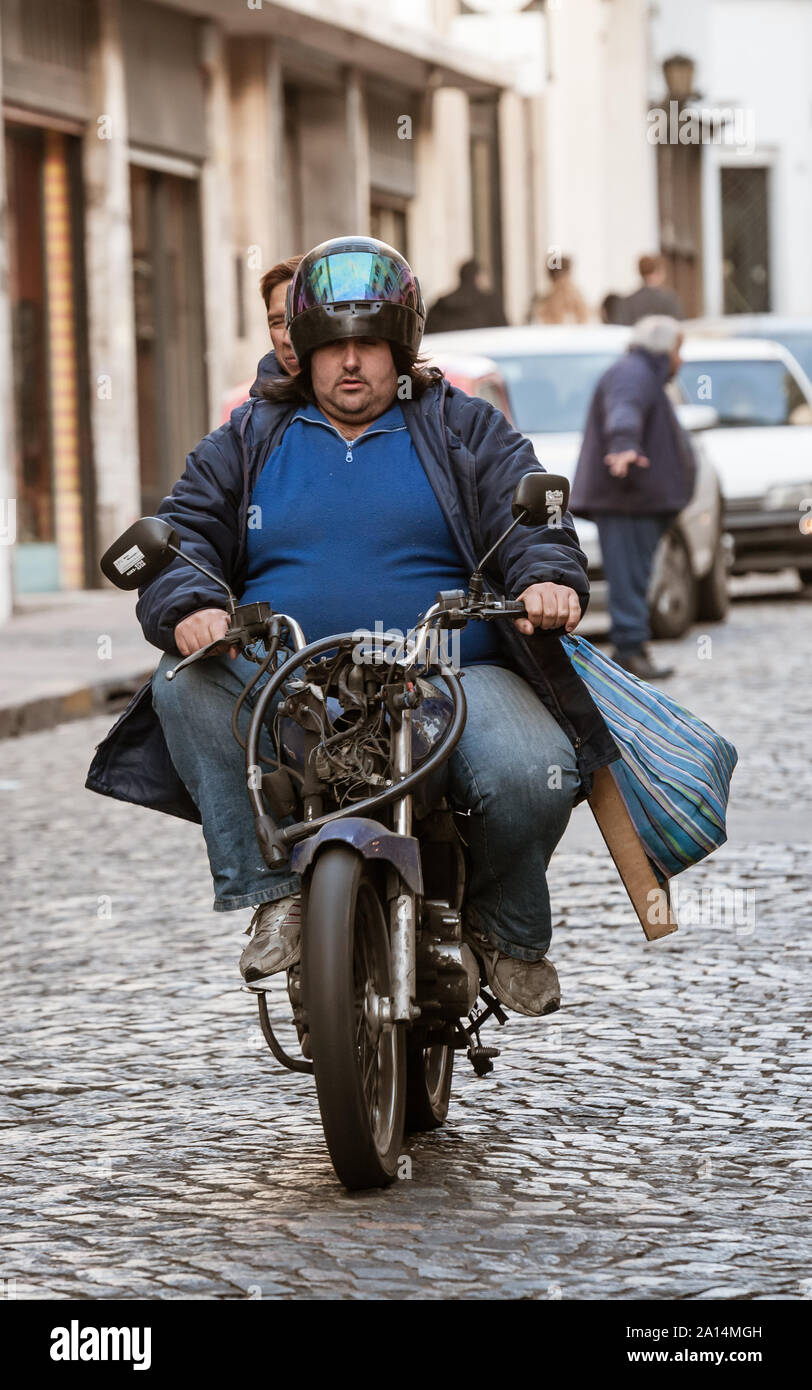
point(618, 464)
point(196, 631)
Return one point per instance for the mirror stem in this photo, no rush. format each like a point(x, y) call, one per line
point(475, 584)
point(232, 602)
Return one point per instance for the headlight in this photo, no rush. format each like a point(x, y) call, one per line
point(790, 496)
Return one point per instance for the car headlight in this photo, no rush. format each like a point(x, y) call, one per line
point(789, 496)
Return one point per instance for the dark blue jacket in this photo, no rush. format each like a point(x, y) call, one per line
point(267, 370)
point(630, 410)
point(473, 459)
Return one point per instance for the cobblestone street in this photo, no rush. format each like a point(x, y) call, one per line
point(650, 1140)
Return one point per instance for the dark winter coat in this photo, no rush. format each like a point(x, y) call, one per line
point(630, 410)
point(268, 369)
point(473, 459)
point(649, 299)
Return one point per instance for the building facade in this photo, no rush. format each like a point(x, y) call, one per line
point(736, 200)
point(158, 157)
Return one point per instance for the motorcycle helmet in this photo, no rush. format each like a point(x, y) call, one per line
point(354, 287)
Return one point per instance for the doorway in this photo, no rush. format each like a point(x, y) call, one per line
point(53, 464)
point(745, 240)
point(169, 327)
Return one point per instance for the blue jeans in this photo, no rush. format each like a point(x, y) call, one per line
point(628, 545)
point(513, 772)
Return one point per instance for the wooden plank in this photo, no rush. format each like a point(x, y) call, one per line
point(648, 897)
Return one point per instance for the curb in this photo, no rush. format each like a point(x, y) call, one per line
point(103, 697)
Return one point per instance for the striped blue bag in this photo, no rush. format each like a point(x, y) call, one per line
point(674, 770)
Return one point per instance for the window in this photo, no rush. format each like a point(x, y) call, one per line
point(551, 395)
point(486, 230)
point(746, 392)
point(387, 221)
point(745, 248)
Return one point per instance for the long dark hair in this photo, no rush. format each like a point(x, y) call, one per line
point(298, 389)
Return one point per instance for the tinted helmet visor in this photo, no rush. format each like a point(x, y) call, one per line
point(352, 277)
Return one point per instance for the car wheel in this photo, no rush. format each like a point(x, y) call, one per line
point(805, 577)
point(673, 590)
point(712, 594)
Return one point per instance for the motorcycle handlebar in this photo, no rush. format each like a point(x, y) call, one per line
point(238, 636)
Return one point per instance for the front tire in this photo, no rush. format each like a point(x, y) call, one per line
point(359, 1065)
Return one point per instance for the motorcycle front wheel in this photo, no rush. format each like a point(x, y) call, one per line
point(359, 1063)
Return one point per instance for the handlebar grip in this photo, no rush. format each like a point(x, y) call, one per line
point(502, 608)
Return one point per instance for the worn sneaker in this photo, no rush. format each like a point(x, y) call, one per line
point(527, 986)
point(274, 945)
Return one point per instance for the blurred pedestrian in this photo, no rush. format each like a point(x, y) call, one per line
point(564, 302)
point(653, 296)
point(473, 304)
point(636, 472)
point(612, 309)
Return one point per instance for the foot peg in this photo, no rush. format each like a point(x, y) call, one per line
point(481, 1058)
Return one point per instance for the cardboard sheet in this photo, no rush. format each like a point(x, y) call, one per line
point(648, 897)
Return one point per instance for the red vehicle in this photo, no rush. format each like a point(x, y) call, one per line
point(476, 376)
point(232, 399)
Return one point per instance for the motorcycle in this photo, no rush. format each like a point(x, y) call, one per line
point(386, 990)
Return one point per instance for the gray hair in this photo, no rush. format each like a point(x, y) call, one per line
point(656, 333)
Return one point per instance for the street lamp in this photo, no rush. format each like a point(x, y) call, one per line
point(679, 77)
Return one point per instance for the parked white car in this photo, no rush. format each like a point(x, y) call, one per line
point(762, 447)
point(550, 373)
point(793, 333)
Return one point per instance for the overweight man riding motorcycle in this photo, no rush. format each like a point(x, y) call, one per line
point(344, 494)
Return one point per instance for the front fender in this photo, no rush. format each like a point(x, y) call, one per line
point(371, 839)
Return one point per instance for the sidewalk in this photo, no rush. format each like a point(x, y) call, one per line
point(65, 656)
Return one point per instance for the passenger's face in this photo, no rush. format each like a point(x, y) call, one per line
point(354, 379)
point(285, 355)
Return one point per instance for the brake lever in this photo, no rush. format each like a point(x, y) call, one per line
point(248, 622)
point(213, 649)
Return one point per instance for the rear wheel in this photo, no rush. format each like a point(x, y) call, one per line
point(428, 1084)
point(672, 597)
point(359, 1063)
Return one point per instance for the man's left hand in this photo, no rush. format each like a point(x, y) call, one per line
point(548, 606)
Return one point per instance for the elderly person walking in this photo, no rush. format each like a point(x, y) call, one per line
point(636, 471)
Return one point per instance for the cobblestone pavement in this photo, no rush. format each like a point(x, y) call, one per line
point(651, 1140)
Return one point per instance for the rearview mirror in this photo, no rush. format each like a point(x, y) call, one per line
point(145, 548)
point(542, 497)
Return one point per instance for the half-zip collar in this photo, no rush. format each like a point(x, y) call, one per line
point(389, 423)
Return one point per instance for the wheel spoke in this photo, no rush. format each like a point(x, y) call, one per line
point(370, 1075)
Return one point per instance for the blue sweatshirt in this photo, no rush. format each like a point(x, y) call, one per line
point(345, 534)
